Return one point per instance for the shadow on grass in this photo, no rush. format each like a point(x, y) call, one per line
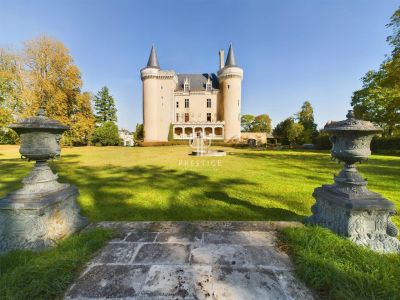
point(149, 192)
point(158, 193)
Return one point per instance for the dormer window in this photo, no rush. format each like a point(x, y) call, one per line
point(208, 84)
point(186, 85)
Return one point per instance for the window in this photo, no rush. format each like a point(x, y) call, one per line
point(186, 103)
point(186, 85)
point(186, 117)
point(238, 102)
point(229, 86)
point(177, 117)
point(161, 87)
point(208, 84)
point(177, 104)
point(208, 117)
point(208, 103)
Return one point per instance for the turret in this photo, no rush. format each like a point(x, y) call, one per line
point(230, 81)
point(150, 97)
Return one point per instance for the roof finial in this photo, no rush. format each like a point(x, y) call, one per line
point(153, 61)
point(230, 60)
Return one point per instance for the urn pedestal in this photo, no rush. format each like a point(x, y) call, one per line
point(43, 210)
point(39, 224)
point(347, 207)
point(365, 221)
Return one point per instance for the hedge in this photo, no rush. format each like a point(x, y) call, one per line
point(385, 143)
point(378, 143)
point(322, 142)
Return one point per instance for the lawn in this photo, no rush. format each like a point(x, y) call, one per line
point(165, 183)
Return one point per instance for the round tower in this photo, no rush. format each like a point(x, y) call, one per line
point(230, 82)
point(150, 97)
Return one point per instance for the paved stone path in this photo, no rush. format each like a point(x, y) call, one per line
point(190, 260)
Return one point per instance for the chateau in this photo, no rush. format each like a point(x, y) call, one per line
point(192, 103)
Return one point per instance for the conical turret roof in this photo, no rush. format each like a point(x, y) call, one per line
point(153, 61)
point(230, 60)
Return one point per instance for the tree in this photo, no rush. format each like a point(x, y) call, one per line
point(44, 74)
point(306, 118)
point(379, 99)
point(289, 131)
point(281, 129)
point(105, 107)
point(83, 123)
point(294, 133)
point(261, 123)
point(139, 132)
point(106, 134)
point(10, 87)
point(246, 122)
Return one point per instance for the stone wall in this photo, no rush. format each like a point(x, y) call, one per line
point(260, 137)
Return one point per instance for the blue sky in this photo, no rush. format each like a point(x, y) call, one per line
point(291, 51)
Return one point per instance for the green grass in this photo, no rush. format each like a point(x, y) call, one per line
point(47, 274)
point(164, 183)
point(338, 269)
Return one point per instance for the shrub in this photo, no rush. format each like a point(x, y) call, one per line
point(322, 142)
point(8, 136)
point(138, 135)
point(169, 143)
point(171, 132)
point(106, 134)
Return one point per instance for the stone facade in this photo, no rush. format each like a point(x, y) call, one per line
point(193, 103)
point(126, 138)
point(260, 137)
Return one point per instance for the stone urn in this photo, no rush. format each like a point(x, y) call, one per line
point(40, 141)
point(43, 210)
point(347, 207)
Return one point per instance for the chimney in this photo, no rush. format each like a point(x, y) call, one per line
point(221, 59)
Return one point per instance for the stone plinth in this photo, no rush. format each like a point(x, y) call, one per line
point(364, 218)
point(39, 222)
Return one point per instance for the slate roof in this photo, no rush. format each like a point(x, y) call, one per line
point(230, 60)
point(153, 61)
point(197, 81)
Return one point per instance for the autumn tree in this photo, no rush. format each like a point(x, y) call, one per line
point(260, 123)
point(10, 86)
point(83, 121)
point(104, 106)
point(10, 91)
point(379, 98)
point(48, 77)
